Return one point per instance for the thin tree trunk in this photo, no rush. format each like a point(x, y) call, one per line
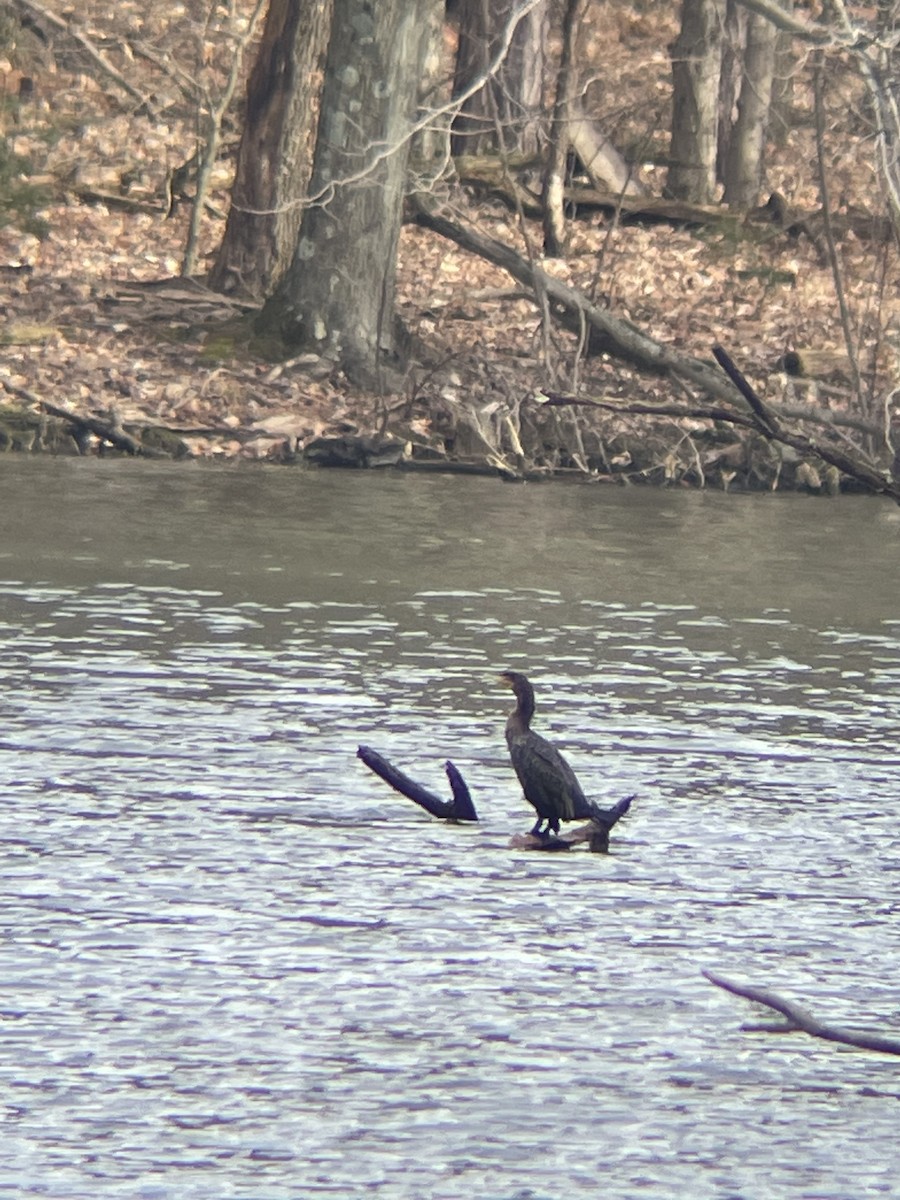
point(780, 121)
point(515, 94)
point(733, 45)
point(696, 67)
point(746, 153)
point(555, 173)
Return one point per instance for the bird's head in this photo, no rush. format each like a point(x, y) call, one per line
point(512, 679)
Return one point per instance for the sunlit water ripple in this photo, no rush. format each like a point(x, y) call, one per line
point(235, 964)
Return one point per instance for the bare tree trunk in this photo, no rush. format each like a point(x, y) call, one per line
point(275, 156)
point(337, 296)
point(515, 95)
point(555, 174)
point(746, 153)
point(780, 121)
point(696, 68)
point(733, 45)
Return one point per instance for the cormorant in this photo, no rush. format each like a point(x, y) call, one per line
point(547, 780)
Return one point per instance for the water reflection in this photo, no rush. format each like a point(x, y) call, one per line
point(235, 964)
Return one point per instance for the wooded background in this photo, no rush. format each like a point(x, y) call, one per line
point(401, 223)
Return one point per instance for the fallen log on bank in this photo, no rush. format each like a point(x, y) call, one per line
point(595, 833)
point(798, 1020)
point(575, 311)
point(735, 400)
point(154, 442)
point(772, 428)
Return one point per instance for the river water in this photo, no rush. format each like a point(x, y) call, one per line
point(235, 964)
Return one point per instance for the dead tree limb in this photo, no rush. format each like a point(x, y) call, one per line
point(618, 337)
point(81, 427)
point(854, 466)
point(797, 1019)
point(460, 808)
point(698, 412)
point(106, 431)
point(710, 412)
point(761, 418)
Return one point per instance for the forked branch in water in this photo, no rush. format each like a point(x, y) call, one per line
point(460, 808)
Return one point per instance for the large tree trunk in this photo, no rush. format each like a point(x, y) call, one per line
point(696, 68)
point(514, 96)
point(746, 152)
point(275, 156)
point(337, 296)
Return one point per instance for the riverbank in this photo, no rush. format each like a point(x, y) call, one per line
point(98, 324)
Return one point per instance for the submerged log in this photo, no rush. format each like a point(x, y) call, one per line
point(797, 1019)
point(461, 808)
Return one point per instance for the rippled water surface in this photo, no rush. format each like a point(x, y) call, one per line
point(234, 964)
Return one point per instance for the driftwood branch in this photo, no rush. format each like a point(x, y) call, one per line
point(596, 832)
point(797, 1019)
point(460, 808)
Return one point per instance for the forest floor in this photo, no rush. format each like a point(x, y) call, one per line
point(96, 319)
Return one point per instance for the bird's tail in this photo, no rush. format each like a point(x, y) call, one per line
point(604, 817)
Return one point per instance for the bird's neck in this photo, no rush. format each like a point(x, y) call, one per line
point(518, 722)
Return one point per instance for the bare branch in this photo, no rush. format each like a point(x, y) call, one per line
point(807, 31)
point(852, 465)
point(798, 1019)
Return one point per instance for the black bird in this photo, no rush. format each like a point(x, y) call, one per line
point(547, 780)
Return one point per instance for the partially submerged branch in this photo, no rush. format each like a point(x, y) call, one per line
point(460, 808)
point(797, 1019)
point(852, 465)
point(596, 832)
